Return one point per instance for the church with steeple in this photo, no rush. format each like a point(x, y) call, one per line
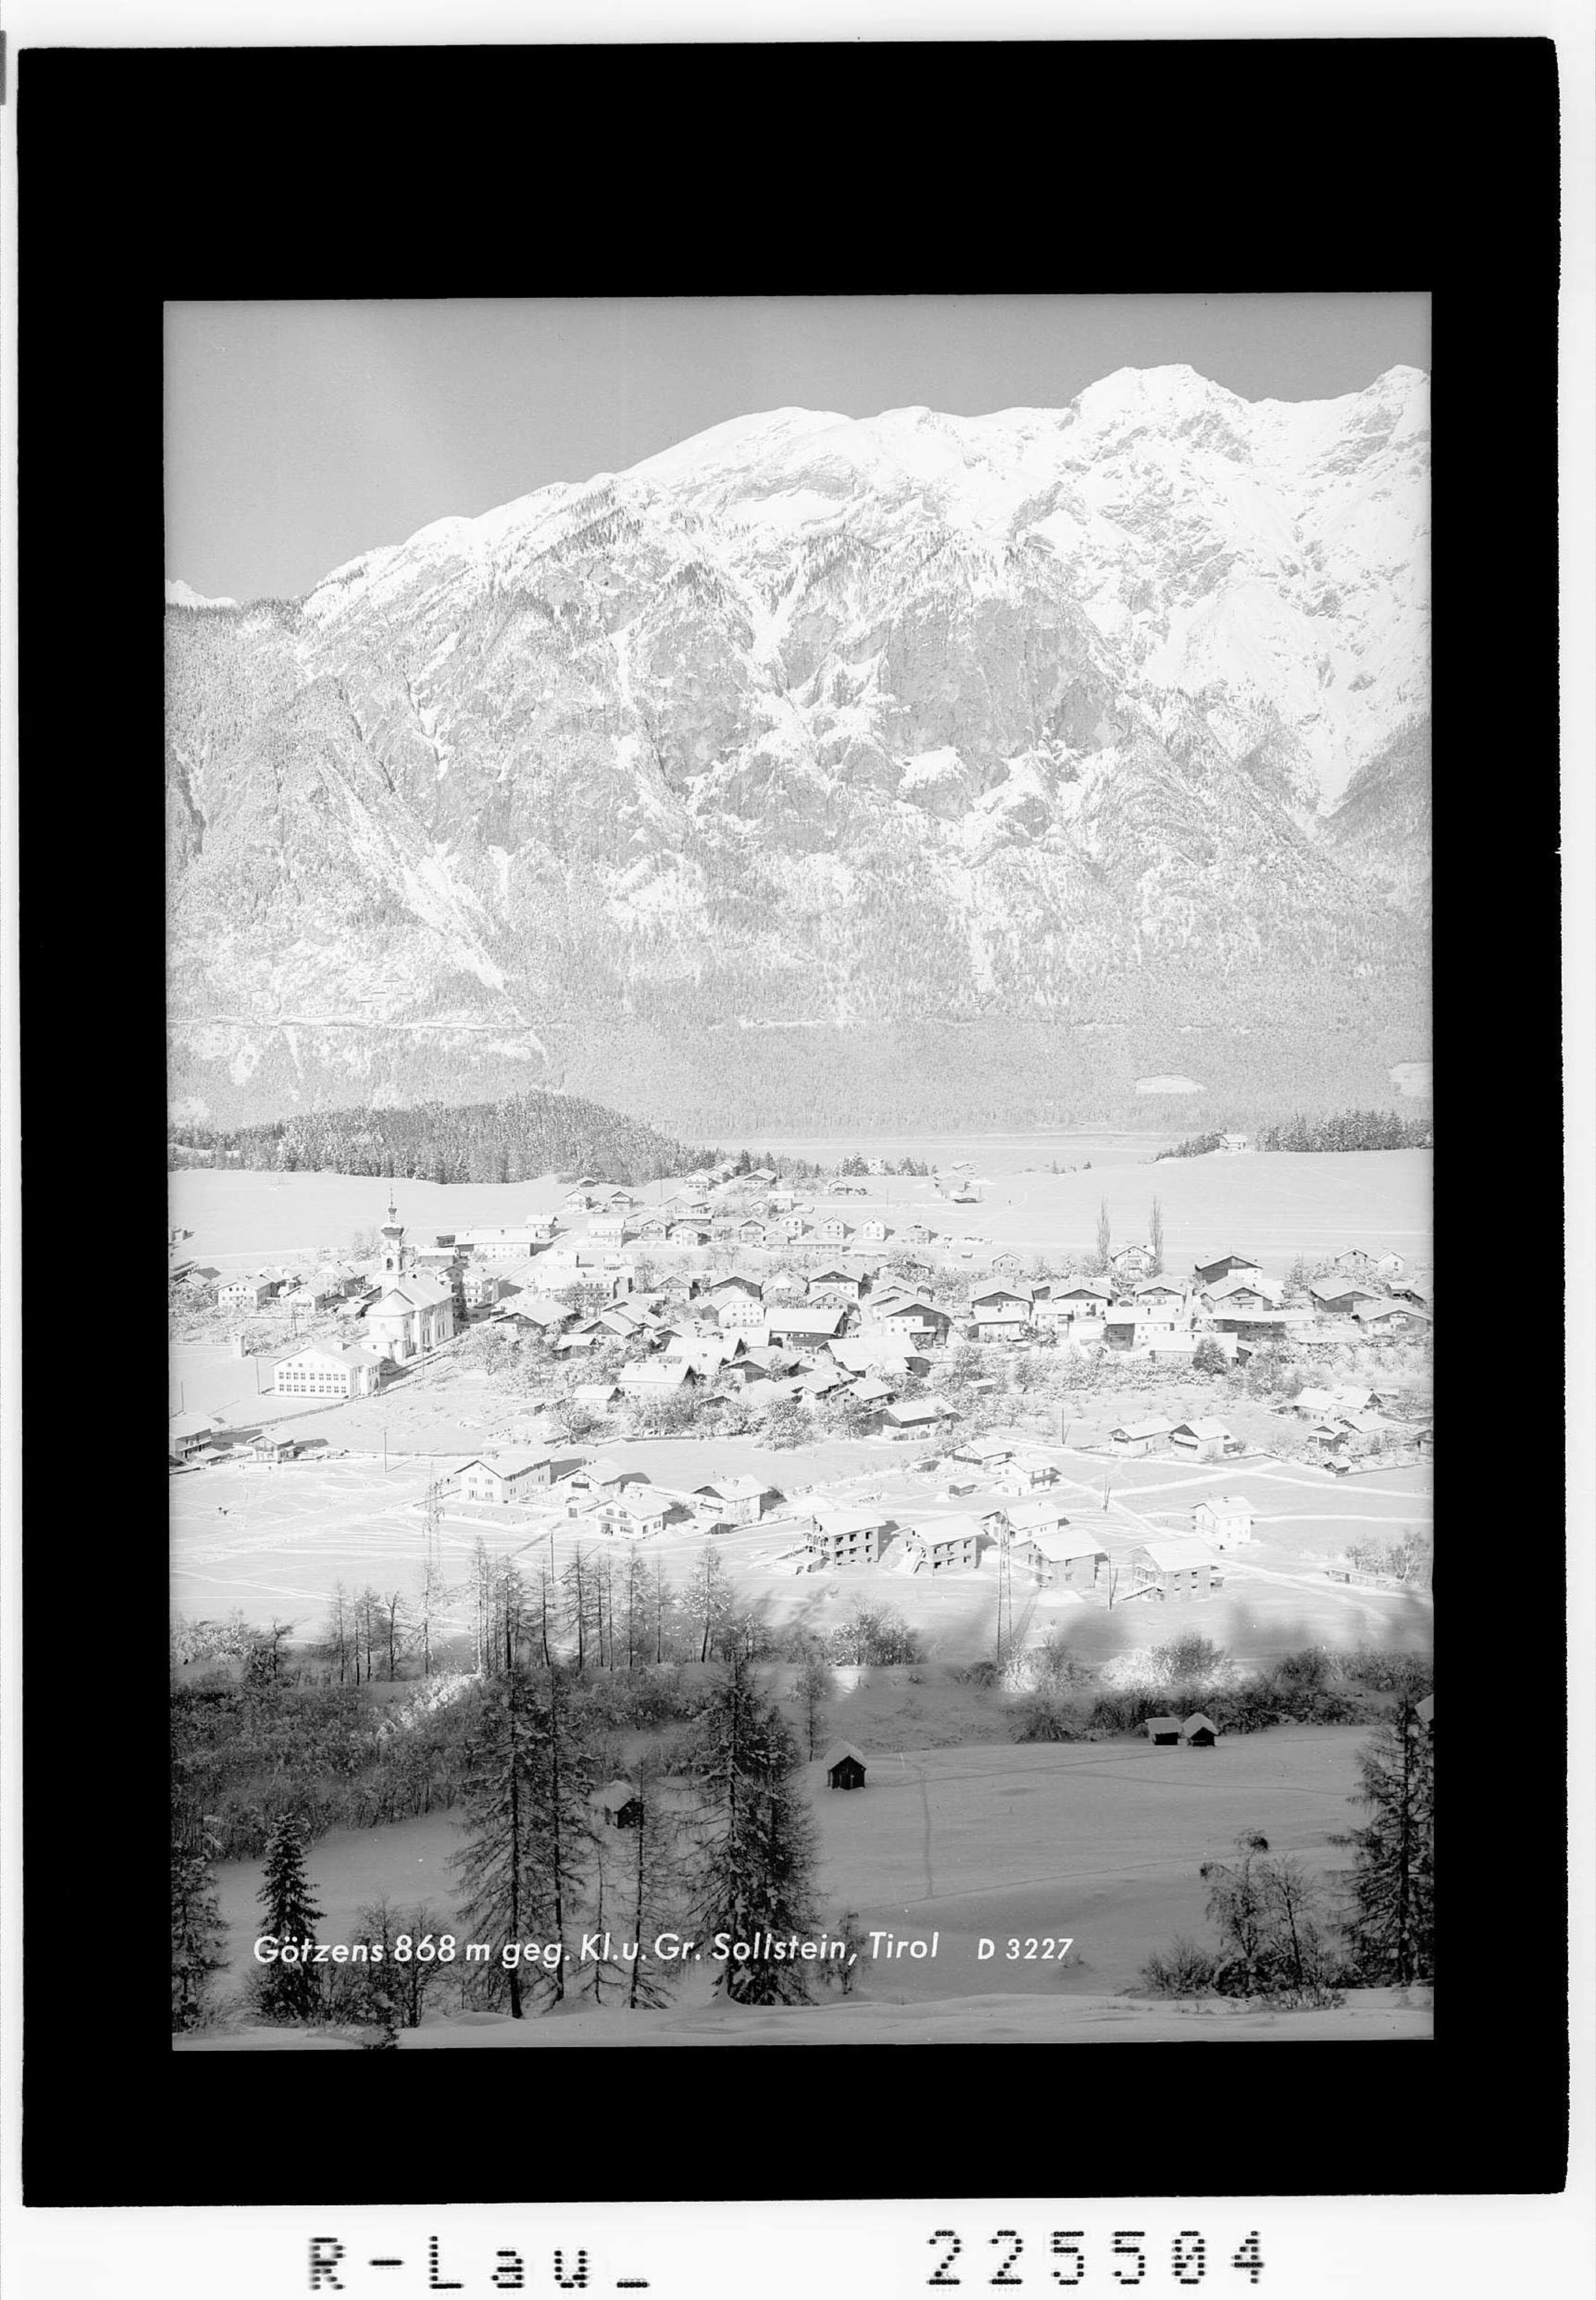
point(414, 1310)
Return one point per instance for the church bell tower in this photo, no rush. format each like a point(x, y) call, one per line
point(398, 1260)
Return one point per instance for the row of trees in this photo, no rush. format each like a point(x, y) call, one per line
point(1342, 1129)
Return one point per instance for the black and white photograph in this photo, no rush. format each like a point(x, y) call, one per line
point(800, 1142)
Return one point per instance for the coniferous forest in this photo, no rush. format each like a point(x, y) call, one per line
point(1343, 1130)
point(508, 1141)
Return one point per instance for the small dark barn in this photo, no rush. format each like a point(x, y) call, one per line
point(620, 1804)
point(1162, 1729)
point(1198, 1732)
point(844, 1766)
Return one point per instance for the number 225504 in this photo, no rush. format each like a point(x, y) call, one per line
point(1127, 2257)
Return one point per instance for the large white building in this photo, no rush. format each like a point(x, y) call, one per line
point(413, 1314)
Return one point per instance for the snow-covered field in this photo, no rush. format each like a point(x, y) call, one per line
point(1272, 1206)
point(275, 1539)
point(1097, 1844)
point(1368, 2014)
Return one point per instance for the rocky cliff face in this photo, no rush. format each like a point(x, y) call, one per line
point(819, 734)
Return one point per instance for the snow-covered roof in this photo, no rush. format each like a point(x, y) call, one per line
point(839, 1751)
point(835, 1522)
point(936, 1530)
point(1065, 1543)
point(1204, 1427)
point(1197, 1723)
point(1178, 1555)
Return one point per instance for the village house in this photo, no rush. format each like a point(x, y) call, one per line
point(595, 1396)
point(834, 1230)
point(600, 1477)
point(1242, 1293)
point(916, 1417)
point(1140, 1438)
point(503, 1479)
point(912, 1320)
point(1000, 1313)
point(846, 1536)
point(1065, 1558)
point(688, 1231)
point(872, 1392)
point(1234, 1142)
point(1025, 1519)
point(1130, 1263)
point(948, 1545)
point(652, 1230)
point(733, 1501)
point(751, 1232)
point(516, 1241)
point(985, 1453)
point(1225, 1265)
point(1025, 1473)
point(189, 1434)
point(782, 1202)
point(803, 1325)
point(1160, 1295)
point(844, 1281)
point(247, 1292)
point(873, 1228)
point(637, 1514)
point(844, 1766)
point(1081, 1297)
point(1387, 1321)
point(609, 1229)
point(1176, 1570)
point(1224, 1520)
point(324, 1371)
point(482, 1290)
point(1339, 1295)
point(1354, 1262)
point(1204, 1439)
point(740, 1311)
point(537, 1317)
point(663, 1377)
point(718, 1286)
point(277, 1445)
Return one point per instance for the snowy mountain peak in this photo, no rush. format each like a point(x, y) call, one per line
point(1047, 715)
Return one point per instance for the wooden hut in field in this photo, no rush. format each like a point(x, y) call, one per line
point(1198, 1732)
point(1166, 1730)
point(620, 1806)
point(844, 1766)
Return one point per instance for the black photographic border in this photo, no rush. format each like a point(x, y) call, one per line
point(1145, 166)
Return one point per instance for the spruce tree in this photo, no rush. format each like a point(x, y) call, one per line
point(756, 1842)
point(1104, 1235)
point(1389, 1919)
point(653, 1890)
point(288, 1991)
point(528, 1832)
point(1155, 1237)
point(199, 1934)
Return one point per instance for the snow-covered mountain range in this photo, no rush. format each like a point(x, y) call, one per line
point(816, 766)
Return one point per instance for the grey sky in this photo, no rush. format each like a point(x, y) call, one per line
point(300, 434)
